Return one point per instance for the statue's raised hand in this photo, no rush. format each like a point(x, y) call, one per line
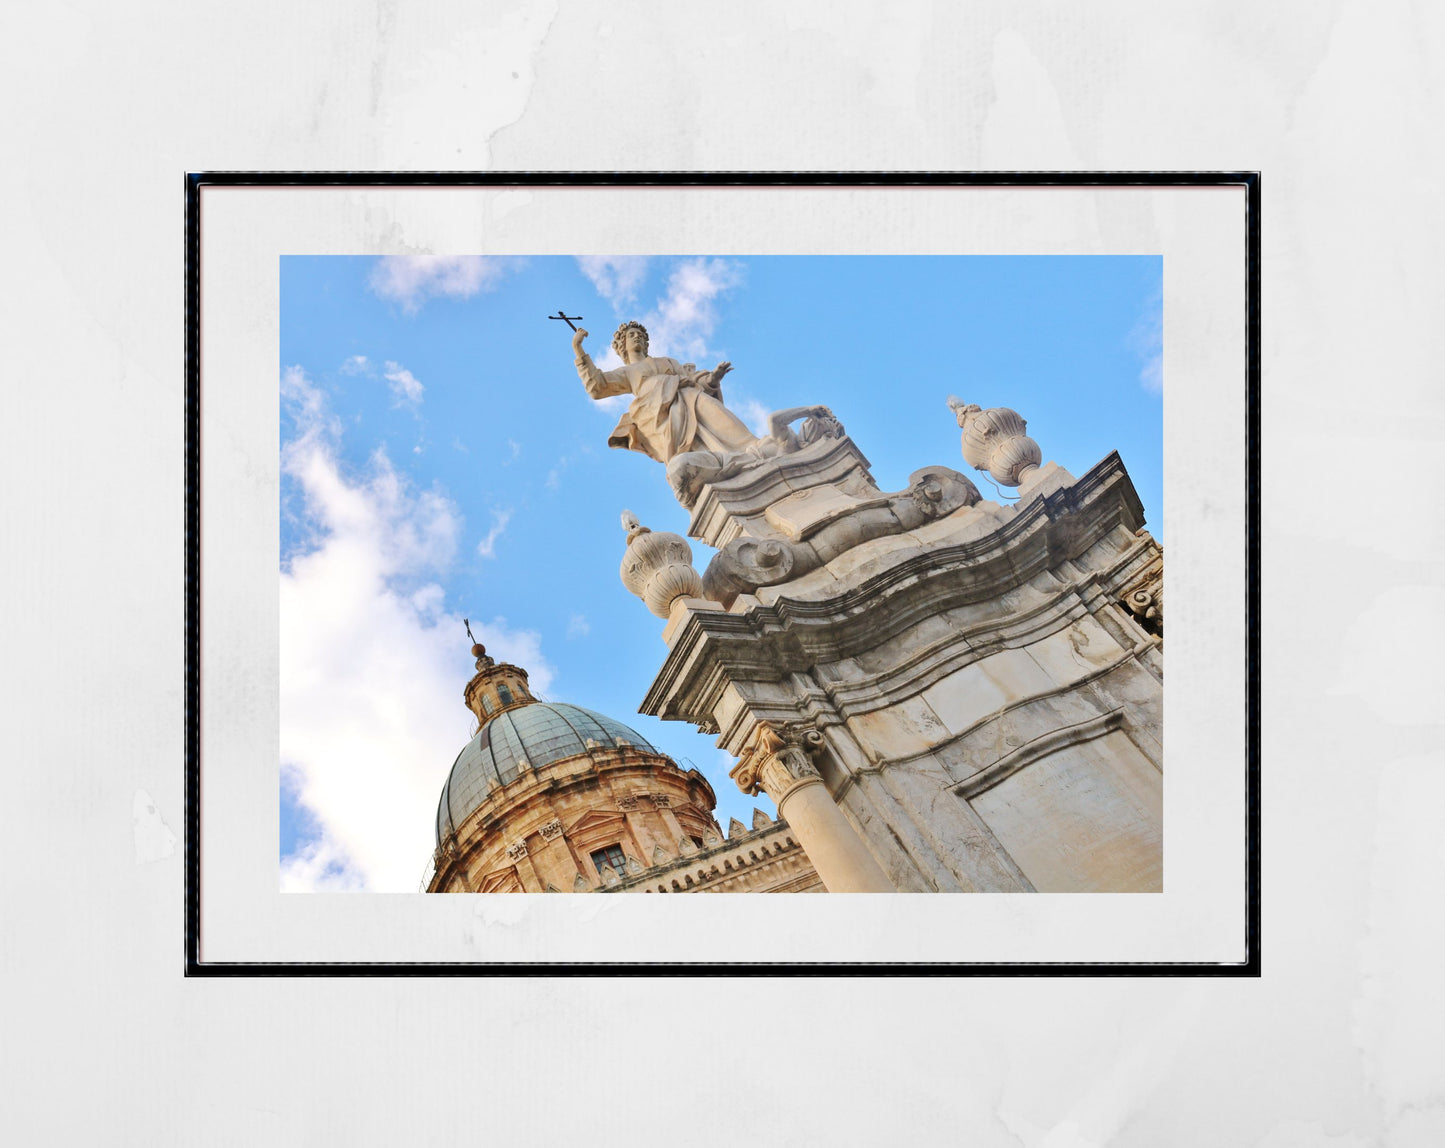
point(720, 370)
point(578, 336)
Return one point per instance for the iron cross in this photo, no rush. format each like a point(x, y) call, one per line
point(567, 319)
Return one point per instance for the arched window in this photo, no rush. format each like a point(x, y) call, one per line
point(505, 694)
point(487, 703)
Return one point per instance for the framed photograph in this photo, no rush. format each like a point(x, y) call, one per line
point(558, 538)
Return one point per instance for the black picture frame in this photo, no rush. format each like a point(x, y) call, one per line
point(1249, 182)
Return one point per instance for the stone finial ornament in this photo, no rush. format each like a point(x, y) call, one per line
point(996, 440)
point(657, 566)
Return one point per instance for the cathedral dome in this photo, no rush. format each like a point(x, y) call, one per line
point(538, 733)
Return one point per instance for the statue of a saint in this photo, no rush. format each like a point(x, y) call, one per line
point(677, 408)
point(677, 415)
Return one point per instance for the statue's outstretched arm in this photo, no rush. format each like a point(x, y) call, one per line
point(710, 382)
point(599, 384)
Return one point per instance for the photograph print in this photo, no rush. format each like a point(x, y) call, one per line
point(721, 573)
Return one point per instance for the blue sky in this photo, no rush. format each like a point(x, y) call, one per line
point(440, 459)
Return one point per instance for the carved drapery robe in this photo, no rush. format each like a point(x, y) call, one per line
point(676, 409)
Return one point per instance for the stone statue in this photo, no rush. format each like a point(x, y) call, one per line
point(677, 415)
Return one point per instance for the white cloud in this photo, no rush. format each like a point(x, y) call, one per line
point(680, 323)
point(578, 626)
point(516, 449)
point(616, 277)
point(356, 365)
point(613, 405)
point(753, 413)
point(1146, 339)
point(307, 403)
point(487, 547)
point(405, 386)
point(684, 319)
point(411, 279)
point(320, 867)
point(372, 661)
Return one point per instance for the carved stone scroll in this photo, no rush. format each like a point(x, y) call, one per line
point(778, 760)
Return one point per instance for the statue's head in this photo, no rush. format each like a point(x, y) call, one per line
point(630, 341)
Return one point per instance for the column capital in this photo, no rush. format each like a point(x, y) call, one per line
point(776, 760)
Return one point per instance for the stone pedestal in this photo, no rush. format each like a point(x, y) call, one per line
point(981, 685)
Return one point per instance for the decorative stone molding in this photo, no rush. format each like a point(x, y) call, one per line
point(628, 803)
point(581, 885)
point(777, 761)
point(818, 622)
point(633, 864)
point(657, 566)
point(516, 851)
point(938, 491)
point(1146, 603)
point(552, 830)
point(661, 800)
point(809, 528)
point(996, 440)
point(659, 856)
point(609, 876)
point(746, 563)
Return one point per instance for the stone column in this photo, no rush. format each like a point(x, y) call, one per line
point(778, 765)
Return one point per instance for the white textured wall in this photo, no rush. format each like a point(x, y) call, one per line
point(107, 104)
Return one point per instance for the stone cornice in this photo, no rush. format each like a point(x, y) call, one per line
point(767, 642)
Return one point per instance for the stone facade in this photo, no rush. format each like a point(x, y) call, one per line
point(976, 688)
